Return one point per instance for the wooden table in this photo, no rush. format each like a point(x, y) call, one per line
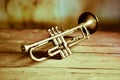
point(97, 58)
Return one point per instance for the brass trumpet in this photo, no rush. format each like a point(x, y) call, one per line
point(88, 24)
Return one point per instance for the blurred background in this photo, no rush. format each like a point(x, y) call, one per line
point(42, 14)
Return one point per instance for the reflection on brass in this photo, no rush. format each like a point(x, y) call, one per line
point(88, 24)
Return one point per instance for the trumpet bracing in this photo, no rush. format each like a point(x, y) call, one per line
point(88, 24)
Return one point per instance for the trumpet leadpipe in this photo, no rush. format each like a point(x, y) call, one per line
point(25, 48)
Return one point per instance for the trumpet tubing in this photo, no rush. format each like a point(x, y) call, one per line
point(88, 24)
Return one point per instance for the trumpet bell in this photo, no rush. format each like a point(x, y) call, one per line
point(90, 21)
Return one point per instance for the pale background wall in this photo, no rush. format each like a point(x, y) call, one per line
point(20, 14)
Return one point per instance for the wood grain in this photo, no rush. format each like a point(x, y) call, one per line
point(97, 58)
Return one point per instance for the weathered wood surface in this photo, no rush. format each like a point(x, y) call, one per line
point(97, 58)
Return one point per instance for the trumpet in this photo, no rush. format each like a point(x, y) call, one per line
point(88, 24)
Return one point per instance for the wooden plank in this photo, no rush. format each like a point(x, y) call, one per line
point(81, 60)
point(85, 61)
point(22, 36)
point(30, 36)
point(107, 42)
point(58, 73)
point(16, 47)
point(95, 49)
